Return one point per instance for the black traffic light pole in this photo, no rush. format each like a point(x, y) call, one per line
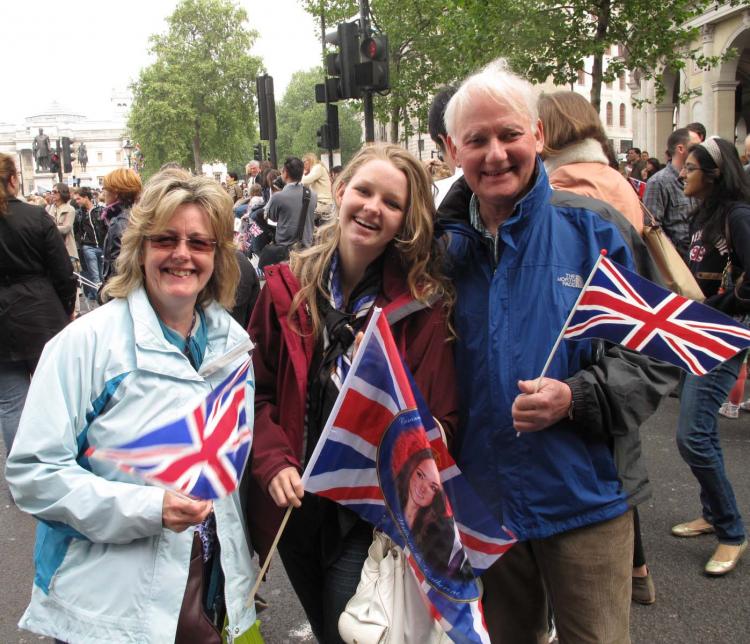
point(323, 46)
point(364, 13)
point(267, 113)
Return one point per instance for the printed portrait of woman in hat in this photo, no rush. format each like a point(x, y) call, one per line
point(425, 511)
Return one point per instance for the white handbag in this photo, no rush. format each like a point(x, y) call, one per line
point(388, 607)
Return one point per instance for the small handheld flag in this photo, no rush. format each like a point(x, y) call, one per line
point(638, 186)
point(620, 306)
point(201, 454)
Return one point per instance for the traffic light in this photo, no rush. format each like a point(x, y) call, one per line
point(343, 63)
point(323, 137)
point(328, 133)
point(67, 156)
point(258, 152)
point(372, 73)
point(328, 91)
point(54, 163)
point(266, 107)
point(332, 121)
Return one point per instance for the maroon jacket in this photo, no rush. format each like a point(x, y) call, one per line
point(281, 360)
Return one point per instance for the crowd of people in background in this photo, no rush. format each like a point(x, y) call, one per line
point(185, 268)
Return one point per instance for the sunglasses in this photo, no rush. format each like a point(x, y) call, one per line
point(169, 242)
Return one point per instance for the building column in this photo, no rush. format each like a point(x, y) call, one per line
point(723, 93)
point(637, 120)
point(683, 109)
point(707, 38)
point(649, 142)
point(663, 115)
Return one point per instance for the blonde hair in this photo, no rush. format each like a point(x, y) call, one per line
point(414, 244)
point(498, 84)
point(162, 196)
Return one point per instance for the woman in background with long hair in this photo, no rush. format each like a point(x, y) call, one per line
point(719, 257)
point(577, 154)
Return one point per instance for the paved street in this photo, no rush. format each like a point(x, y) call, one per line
point(690, 608)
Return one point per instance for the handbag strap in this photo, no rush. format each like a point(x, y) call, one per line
point(306, 195)
point(727, 236)
point(651, 219)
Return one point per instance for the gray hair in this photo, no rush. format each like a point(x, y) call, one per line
point(498, 84)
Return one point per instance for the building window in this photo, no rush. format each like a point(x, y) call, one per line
point(100, 180)
point(99, 157)
point(609, 114)
point(622, 81)
point(622, 114)
point(118, 156)
point(609, 84)
point(581, 77)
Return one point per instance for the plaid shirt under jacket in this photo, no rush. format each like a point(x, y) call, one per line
point(666, 200)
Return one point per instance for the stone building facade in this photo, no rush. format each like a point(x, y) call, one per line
point(106, 142)
point(722, 100)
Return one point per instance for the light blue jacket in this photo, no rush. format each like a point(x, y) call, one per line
point(106, 569)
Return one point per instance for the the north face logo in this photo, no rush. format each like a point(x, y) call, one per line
point(572, 280)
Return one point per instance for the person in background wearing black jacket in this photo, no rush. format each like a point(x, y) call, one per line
point(719, 255)
point(247, 291)
point(37, 293)
point(91, 229)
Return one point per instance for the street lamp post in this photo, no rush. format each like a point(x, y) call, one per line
point(128, 147)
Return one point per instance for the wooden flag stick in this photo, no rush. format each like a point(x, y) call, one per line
point(267, 562)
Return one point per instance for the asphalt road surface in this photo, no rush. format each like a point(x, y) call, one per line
point(690, 607)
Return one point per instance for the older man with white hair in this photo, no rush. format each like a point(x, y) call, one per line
point(252, 170)
point(558, 461)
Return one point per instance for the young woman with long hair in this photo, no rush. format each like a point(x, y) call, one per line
point(719, 256)
point(377, 250)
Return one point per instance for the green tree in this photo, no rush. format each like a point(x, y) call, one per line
point(552, 38)
point(196, 102)
point(433, 42)
point(298, 118)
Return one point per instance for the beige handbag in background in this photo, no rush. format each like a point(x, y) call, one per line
point(673, 269)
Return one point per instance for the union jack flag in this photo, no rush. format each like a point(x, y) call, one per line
point(638, 186)
point(624, 308)
point(201, 454)
point(379, 427)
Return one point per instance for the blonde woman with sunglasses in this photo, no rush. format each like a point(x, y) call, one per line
point(116, 560)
